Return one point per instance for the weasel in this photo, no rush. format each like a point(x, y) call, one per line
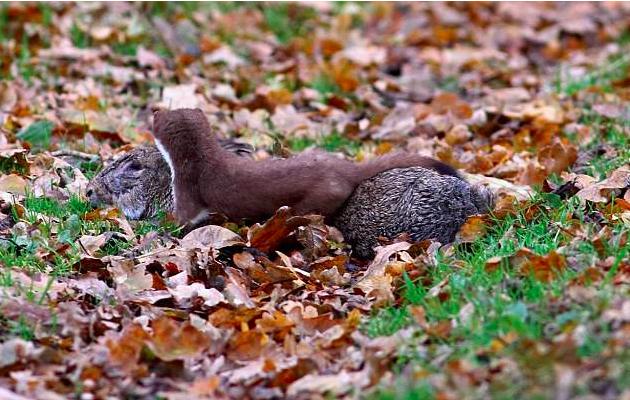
point(209, 179)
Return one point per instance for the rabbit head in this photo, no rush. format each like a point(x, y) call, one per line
point(139, 183)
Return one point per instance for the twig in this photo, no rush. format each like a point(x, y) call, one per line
point(75, 153)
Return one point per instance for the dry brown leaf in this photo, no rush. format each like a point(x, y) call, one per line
point(13, 184)
point(383, 253)
point(475, 227)
point(179, 96)
point(171, 340)
point(210, 236)
point(267, 237)
point(419, 315)
point(127, 275)
point(557, 156)
point(247, 345)
point(337, 384)
point(211, 297)
point(91, 244)
point(8, 96)
point(364, 55)
point(544, 268)
point(124, 350)
point(501, 187)
point(147, 58)
point(235, 291)
point(612, 111)
point(600, 192)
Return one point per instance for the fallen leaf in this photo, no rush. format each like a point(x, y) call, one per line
point(336, 384)
point(147, 58)
point(600, 192)
point(8, 96)
point(383, 253)
point(557, 156)
point(14, 184)
point(612, 111)
point(211, 236)
point(247, 345)
point(364, 55)
point(179, 96)
point(171, 340)
point(474, 228)
point(91, 244)
point(544, 268)
point(274, 231)
point(211, 297)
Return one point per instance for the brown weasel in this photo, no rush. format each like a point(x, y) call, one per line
point(208, 179)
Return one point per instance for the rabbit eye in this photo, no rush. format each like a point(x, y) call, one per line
point(134, 167)
point(132, 170)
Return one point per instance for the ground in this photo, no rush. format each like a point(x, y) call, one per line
point(531, 301)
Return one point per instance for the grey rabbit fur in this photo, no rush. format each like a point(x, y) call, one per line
point(416, 200)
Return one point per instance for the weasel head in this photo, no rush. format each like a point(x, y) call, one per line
point(174, 125)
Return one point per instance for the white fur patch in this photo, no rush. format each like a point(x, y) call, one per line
point(203, 214)
point(167, 157)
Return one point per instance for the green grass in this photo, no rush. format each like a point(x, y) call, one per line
point(603, 77)
point(58, 224)
point(25, 67)
point(160, 224)
point(114, 247)
point(17, 257)
point(125, 48)
point(333, 142)
point(37, 134)
point(10, 165)
point(4, 22)
point(611, 133)
point(20, 328)
point(505, 237)
point(47, 14)
point(404, 391)
point(504, 301)
point(79, 38)
point(325, 85)
point(90, 168)
point(287, 20)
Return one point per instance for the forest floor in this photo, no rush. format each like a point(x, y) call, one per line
point(531, 301)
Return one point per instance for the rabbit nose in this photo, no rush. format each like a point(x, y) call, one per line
point(92, 198)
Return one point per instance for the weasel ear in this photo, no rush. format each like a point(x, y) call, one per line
point(157, 111)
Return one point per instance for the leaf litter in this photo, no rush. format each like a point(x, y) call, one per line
point(95, 306)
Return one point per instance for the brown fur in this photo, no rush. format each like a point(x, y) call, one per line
point(207, 178)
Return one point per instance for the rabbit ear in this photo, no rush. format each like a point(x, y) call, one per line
point(128, 175)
